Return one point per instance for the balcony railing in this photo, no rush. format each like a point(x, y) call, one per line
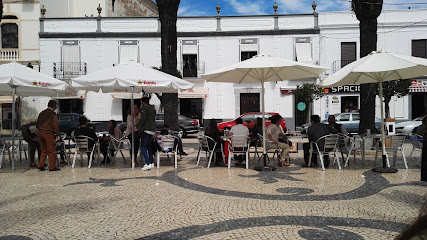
point(338, 64)
point(10, 54)
point(193, 69)
point(68, 70)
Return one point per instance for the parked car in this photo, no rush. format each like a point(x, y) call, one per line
point(186, 125)
point(409, 127)
point(350, 121)
point(68, 122)
point(248, 120)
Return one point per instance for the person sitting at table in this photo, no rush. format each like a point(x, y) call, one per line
point(335, 127)
point(254, 131)
point(84, 130)
point(273, 133)
point(104, 142)
point(239, 130)
point(314, 132)
point(166, 131)
point(213, 132)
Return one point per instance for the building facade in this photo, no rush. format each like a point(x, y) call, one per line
point(329, 39)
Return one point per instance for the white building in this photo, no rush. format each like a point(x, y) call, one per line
point(209, 43)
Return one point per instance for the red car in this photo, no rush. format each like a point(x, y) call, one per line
point(248, 120)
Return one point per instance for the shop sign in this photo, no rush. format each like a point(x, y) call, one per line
point(343, 89)
point(419, 83)
point(301, 106)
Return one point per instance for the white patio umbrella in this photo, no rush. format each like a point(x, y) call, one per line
point(261, 69)
point(378, 67)
point(17, 79)
point(128, 78)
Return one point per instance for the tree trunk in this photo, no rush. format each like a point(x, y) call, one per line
point(367, 15)
point(387, 107)
point(168, 10)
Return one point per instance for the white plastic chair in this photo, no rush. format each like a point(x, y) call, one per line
point(324, 146)
point(270, 148)
point(167, 146)
point(349, 145)
point(82, 146)
point(417, 144)
point(208, 145)
point(118, 145)
point(239, 145)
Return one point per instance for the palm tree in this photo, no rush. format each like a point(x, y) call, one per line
point(367, 12)
point(168, 10)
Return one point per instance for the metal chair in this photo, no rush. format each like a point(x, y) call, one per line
point(349, 145)
point(3, 148)
point(397, 142)
point(239, 145)
point(118, 145)
point(324, 146)
point(61, 148)
point(208, 145)
point(168, 145)
point(417, 144)
point(83, 146)
point(269, 149)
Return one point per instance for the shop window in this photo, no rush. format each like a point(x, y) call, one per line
point(249, 102)
point(419, 48)
point(9, 35)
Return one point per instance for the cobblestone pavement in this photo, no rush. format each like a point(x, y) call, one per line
point(115, 202)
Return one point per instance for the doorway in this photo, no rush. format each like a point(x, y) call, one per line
point(70, 106)
point(249, 102)
point(419, 104)
point(191, 107)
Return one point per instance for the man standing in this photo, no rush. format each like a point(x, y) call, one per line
point(147, 128)
point(274, 132)
point(239, 130)
point(48, 133)
point(314, 132)
point(335, 127)
point(29, 133)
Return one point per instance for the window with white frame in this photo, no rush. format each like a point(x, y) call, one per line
point(70, 52)
point(190, 64)
point(129, 51)
point(248, 48)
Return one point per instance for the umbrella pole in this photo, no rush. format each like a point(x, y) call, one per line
point(264, 150)
point(13, 126)
point(133, 127)
point(383, 169)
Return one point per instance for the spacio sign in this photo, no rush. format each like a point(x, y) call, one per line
point(342, 89)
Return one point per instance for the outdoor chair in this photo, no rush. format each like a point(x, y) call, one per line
point(118, 145)
point(208, 145)
point(22, 146)
point(325, 145)
point(167, 146)
point(82, 146)
point(397, 142)
point(239, 145)
point(270, 148)
point(349, 145)
point(61, 148)
point(3, 148)
point(417, 144)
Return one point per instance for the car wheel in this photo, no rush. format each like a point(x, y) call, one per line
point(182, 132)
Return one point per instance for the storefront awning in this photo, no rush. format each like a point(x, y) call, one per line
point(5, 99)
point(196, 92)
point(418, 85)
point(127, 95)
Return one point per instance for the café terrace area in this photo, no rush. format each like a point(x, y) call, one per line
point(113, 201)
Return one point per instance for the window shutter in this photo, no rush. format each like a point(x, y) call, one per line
point(419, 48)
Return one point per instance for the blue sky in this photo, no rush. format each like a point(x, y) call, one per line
point(259, 7)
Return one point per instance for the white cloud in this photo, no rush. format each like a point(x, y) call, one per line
point(248, 7)
point(190, 11)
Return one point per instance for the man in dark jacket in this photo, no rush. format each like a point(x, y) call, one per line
point(29, 133)
point(314, 132)
point(147, 128)
point(84, 130)
point(336, 127)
